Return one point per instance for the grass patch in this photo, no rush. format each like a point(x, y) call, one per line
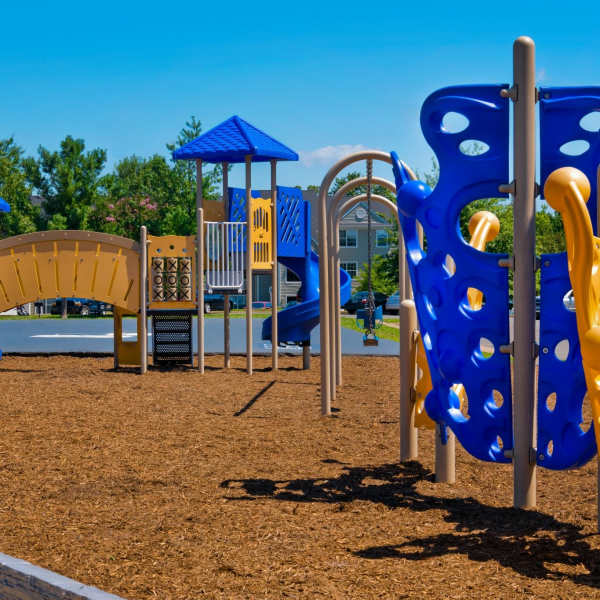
point(385, 332)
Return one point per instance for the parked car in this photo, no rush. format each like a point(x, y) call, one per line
point(238, 300)
point(214, 302)
point(392, 304)
point(260, 305)
point(81, 306)
point(359, 300)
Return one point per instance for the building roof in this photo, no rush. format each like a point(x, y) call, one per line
point(232, 141)
point(359, 214)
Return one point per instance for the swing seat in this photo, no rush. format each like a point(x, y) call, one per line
point(362, 317)
point(370, 340)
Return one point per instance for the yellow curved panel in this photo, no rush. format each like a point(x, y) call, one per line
point(260, 233)
point(78, 264)
point(484, 226)
point(567, 190)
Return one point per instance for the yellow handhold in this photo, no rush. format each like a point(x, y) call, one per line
point(484, 226)
point(567, 190)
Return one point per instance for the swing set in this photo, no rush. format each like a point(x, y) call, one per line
point(370, 318)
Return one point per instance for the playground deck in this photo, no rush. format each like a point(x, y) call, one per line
point(181, 486)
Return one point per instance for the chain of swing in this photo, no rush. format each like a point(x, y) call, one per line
point(371, 296)
point(370, 323)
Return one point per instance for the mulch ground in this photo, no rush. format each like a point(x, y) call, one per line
point(180, 486)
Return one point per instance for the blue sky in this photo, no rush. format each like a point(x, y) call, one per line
point(322, 77)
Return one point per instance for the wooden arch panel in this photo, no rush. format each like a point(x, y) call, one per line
point(80, 264)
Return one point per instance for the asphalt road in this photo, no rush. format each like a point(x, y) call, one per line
point(96, 335)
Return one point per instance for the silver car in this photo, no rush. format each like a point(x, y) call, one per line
point(392, 304)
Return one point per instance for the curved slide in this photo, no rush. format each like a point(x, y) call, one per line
point(296, 322)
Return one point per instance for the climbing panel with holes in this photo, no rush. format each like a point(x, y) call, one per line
point(569, 126)
point(463, 308)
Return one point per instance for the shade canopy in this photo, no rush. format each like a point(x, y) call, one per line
point(231, 142)
point(4, 205)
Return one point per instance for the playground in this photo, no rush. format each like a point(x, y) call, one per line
point(169, 470)
point(247, 493)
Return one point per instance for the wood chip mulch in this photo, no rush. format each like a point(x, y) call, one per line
point(177, 485)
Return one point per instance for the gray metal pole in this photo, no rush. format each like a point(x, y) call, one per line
point(143, 301)
point(408, 432)
point(200, 265)
point(306, 357)
point(249, 264)
point(524, 409)
point(274, 271)
point(201, 292)
point(332, 307)
point(226, 316)
point(116, 334)
point(445, 456)
point(402, 267)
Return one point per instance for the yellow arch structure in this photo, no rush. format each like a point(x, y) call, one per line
point(82, 264)
point(484, 226)
point(567, 190)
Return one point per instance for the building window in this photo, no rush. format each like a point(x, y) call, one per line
point(350, 268)
point(382, 238)
point(348, 238)
point(291, 299)
point(291, 277)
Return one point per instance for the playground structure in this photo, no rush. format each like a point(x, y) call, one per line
point(165, 277)
point(503, 424)
point(461, 314)
point(458, 307)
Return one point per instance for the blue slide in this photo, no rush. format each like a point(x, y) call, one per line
point(297, 321)
point(294, 252)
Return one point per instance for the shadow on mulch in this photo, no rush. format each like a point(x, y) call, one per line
point(527, 541)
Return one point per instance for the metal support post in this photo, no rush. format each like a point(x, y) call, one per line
point(306, 356)
point(249, 264)
point(143, 342)
point(200, 265)
point(226, 316)
point(275, 270)
point(524, 408)
point(408, 431)
point(445, 456)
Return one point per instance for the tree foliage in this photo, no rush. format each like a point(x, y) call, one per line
point(69, 182)
point(14, 188)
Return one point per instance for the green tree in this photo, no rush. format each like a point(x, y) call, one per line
point(134, 185)
point(69, 182)
point(23, 216)
point(180, 213)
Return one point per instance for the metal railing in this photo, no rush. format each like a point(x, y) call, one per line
point(225, 255)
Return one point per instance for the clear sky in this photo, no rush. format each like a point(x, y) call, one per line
point(322, 77)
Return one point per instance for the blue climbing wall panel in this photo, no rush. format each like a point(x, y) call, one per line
point(563, 441)
point(451, 331)
point(237, 211)
point(293, 218)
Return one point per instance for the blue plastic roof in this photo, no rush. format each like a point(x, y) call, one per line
point(4, 205)
point(232, 141)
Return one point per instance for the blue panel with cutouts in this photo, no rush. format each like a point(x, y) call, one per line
point(563, 440)
point(569, 124)
point(452, 332)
